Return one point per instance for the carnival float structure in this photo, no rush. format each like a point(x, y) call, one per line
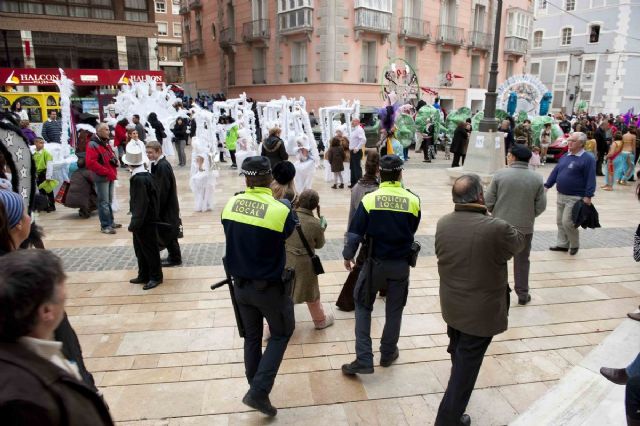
point(524, 93)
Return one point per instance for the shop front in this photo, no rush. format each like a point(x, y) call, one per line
point(94, 89)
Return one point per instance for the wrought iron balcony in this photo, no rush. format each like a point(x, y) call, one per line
point(195, 4)
point(195, 47)
point(184, 50)
point(184, 7)
point(448, 34)
point(297, 73)
point(515, 46)
point(256, 30)
point(479, 40)
point(227, 37)
point(415, 28)
point(295, 21)
point(259, 75)
point(373, 21)
point(368, 74)
point(476, 81)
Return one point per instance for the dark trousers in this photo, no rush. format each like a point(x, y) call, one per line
point(456, 159)
point(255, 302)
point(174, 251)
point(521, 265)
point(426, 151)
point(632, 401)
point(355, 165)
point(232, 153)
point(397, 290)
point(467, 353)
point(599, 161)
point(42, 176)
point(145, 245)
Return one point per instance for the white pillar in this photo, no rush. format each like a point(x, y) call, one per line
point(153, 54)
point(123, 62)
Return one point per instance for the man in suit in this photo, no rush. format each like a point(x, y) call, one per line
point(169, 207)
point(474, 291)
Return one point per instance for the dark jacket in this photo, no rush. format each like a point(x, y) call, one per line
point(473, 249)
point(142, 133)
point(585, 215)
point(34, 392)
point(81, 193)
point(168, 205)
point(180, 129)
point(460, 141)
point(273, 148)
point(601, 140)
point(335, 157)
point(157, 127)
point(143, 203)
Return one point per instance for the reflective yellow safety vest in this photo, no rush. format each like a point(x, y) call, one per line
point(391, 196)
point(257, 207)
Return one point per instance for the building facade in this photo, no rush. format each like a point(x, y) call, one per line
point(169, 39)
point(94, 34)
point(336, 49)
point(588, 50)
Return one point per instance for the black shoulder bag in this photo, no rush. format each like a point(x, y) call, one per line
point(315, 260)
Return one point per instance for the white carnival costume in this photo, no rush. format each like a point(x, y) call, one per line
point(305, 164)
point(203, 177)
point(245, 146)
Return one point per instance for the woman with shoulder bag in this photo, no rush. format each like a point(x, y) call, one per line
point(301, 257)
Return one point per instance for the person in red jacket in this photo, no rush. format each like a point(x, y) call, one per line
point(120, 138)
point(102, 161)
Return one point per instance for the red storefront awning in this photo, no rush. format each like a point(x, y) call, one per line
point(81, 77)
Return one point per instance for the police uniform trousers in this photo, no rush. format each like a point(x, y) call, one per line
point(257, 300)
point(397, 281)
point(145, 245)
point(467, 352)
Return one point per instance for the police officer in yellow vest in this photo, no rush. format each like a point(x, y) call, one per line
point(256, 226)
point(386, 220)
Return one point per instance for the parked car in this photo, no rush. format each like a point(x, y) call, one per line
point(558, 148)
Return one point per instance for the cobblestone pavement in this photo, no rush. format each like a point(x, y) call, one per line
point(117, 258)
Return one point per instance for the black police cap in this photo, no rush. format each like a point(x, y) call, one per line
point(521, 152)
point(391, 163)
point(256, 166)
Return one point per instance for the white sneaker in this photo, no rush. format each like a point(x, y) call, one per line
point(328, 322)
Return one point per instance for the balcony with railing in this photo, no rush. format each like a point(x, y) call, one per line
point(195, 4)
point(414, 28)
point(476, 81)
point(195, 47)
point(184, 50)
point(374, 21)
point(479, 40)
point(297, 73)
point(184, 7)
point(515, 46)
point(448, 34)
point(368, 74)
point(227, 37)
point(256, 30)
point(259, 75)
point(296, 21)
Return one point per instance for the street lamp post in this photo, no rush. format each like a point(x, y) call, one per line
point(489, 123)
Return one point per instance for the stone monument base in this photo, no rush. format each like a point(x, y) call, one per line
point(485, 155)
point(455, 172)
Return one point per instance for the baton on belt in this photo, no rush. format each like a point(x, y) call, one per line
point(229, 281)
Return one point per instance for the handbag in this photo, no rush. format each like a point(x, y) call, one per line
point(318, 269)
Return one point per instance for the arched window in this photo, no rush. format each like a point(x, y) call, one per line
point(537, 39)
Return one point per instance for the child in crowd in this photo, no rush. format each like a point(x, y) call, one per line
point(203, 178)
point(309, 237)
point(534, 161)
point(545, 142)
point(335, 157)
point(44, 168)
point(591, 147)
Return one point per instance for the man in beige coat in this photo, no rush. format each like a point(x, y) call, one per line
point(472, 249)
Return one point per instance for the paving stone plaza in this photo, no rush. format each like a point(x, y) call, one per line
point(172, 355)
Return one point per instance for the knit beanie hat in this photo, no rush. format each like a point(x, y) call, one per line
point(284, 172)
point(13, 207)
